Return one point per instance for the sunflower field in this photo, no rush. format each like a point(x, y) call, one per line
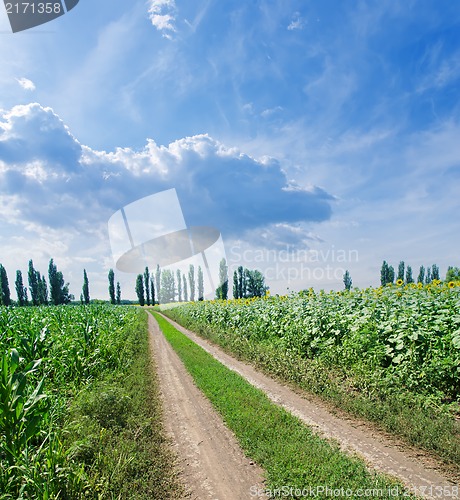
point(383, 353)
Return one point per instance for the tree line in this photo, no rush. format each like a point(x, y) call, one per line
point(55, 291)
point(248, 284)
point(165, 286)
point(161, 286)
point(404, 274)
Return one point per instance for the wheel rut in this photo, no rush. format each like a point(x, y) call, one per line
point(212, 464)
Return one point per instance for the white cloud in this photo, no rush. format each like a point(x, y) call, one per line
point(441, 73)
point(282, 235)
point(26, 84)
point(436, 152)
point(51, 180)
point(162, 14)
point(297, 22)
point(266, 113)
point(199, 16)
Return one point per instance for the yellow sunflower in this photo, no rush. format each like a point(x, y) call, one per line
point(400, 282)
point(451, 284)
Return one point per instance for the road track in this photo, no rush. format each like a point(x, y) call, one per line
point(212, 464)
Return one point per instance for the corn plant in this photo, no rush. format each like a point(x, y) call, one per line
point(21, 406)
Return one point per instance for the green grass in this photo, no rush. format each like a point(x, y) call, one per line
point(290, 453)
point(116, 430)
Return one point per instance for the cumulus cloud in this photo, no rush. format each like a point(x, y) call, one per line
point(26, 84)
point(162, 15)
point(48, 178)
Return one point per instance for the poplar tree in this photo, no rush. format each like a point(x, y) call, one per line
point(391, 274)
point(421, 275)
point(118, 293)
point(241, 287)
point(191, 281)
point(5, 296)
point(384, 273)
point(236, 289)
point(387, 274)
point(247, 283)
point(222, 289)
point(428, 278)
point(146, 285)
point(401, 269)
point(20, 289)
point(255, 283)
point(179, 286)
point(158, 282)
point(167, 290)
point(200, 284)
point(33, 284)
point(59, 290)
point(140, 289)
point(184, 286)
point(42, 289)
point(152, 289)
point(112, 286)
point(409, 278)
point(85, 288)
point(347, 281)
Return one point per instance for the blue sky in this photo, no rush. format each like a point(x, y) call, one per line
point(329, 126)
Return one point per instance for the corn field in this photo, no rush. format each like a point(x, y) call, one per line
point(47, 355)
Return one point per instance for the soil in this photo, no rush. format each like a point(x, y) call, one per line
point(215, 467)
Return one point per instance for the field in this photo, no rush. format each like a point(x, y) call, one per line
point(79, 413)
point(389, 354)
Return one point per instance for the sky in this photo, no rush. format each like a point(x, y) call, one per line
point(316, 136)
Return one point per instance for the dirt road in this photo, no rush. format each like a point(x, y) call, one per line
point(213, 465)
point(422, 476)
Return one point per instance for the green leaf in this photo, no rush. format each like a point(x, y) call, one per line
point(36, 396)
point(14, 360)
point(456, 339)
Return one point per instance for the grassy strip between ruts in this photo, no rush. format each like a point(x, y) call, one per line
point(116, 430)
point(292, 456)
